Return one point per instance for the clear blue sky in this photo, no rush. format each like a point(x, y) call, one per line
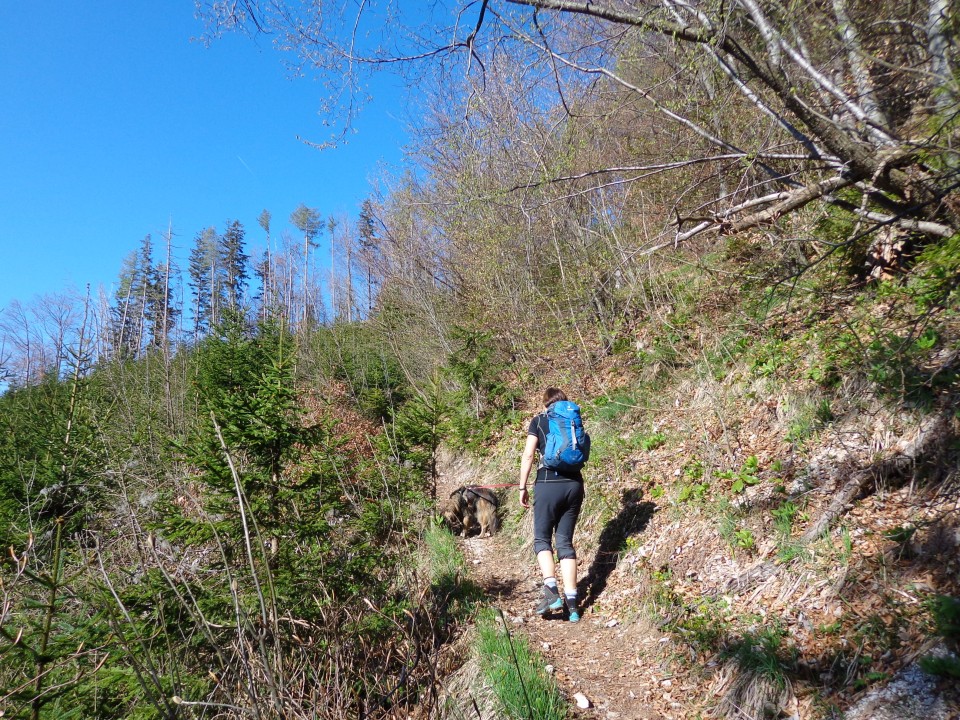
point(114, 124)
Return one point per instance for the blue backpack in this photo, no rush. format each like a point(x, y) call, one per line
point(568, 445)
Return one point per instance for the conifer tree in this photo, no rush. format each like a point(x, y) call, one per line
point(233, 264)
point(161, 311)
point(49, 492)
point(308, 221)
point(128, 308)
point(143, 313)
point(369, 241)
point(202, 267)
point(264, 272)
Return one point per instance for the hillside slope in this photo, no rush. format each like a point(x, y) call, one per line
point(783, 579)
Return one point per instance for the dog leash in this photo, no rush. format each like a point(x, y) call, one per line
point(474, 488)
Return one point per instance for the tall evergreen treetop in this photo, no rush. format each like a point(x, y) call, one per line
point(234, 264)
point(202, 269)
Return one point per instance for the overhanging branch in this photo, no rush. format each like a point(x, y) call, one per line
point(785, 202)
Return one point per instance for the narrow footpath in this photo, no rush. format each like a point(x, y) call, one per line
point(604, 657)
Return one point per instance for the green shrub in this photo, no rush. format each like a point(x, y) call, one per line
point(941, 665)
point(933, 282)
point(696, 491)
point(945, 613)
point(744, 539)
point(652, 442)
point(693, 470)
point(746, 476)
point(768, 357)
point(481, 402)
point(946, 616)
point(355, 354)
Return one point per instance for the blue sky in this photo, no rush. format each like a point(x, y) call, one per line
point(113, 124)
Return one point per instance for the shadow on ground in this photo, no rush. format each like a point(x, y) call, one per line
point(499, 588)
point(634, 516)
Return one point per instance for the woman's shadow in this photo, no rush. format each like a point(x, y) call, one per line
point(634, 516)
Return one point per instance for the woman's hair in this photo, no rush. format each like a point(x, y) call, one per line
point(552, 395)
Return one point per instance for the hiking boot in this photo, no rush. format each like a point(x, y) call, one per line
point(551, 600)
point(573, 611)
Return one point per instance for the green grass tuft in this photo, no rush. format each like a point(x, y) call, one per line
point(444, 561)
point(515, 672)
point(444, 564)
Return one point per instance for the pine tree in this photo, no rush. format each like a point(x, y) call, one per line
point(201, 270)
point(49, 461)
point(130, 303)
point(233, 264)
point(308, 221)
point(161, 312)
point(264, 272)
point(369, 242)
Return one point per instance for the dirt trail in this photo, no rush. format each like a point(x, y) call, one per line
point(601, 657)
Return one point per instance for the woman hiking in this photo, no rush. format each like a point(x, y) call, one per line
point(558, 497)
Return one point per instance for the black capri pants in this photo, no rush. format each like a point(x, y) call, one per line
point(556, 507)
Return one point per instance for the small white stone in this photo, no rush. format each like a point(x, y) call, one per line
point(548, 669)
point(546, 646)
point(582, 702)
point(612, 623)
point(476, 562)
point(667, 683)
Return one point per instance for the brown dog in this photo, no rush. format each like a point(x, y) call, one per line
point(453, 511)
point(486, 511)
point(469, 507)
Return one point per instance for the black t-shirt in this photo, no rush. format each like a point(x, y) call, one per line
point(540, 426)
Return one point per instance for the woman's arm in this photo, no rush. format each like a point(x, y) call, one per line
point(526, 464)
